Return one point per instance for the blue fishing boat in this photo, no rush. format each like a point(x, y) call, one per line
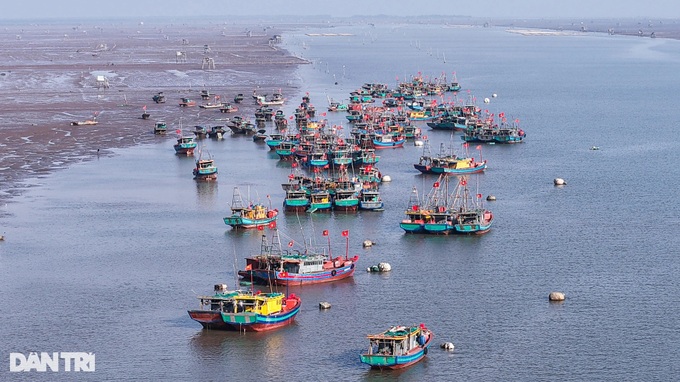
point(398, 347)
point(369, 199)
point(296, 200)
point(471, 217)
point(209, 314)
point(185, 145)
point(205, 169)
point(253, 215)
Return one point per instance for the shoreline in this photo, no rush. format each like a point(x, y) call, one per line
point(50, 81)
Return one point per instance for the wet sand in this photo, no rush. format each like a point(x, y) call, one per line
point(49, 79)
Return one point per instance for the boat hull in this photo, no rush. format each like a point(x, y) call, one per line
point(210, 319)
point(238, 222)
point(412, 227)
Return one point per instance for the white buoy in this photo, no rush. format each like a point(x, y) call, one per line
point(384, 267)
point(386, 178)
point(367, 243)
point(486, 100)
point(324, 305)
point(556, 296)
point(448, 346)
point(491, 198)
point(494, 95)
point(418, 143)
point(559, 182)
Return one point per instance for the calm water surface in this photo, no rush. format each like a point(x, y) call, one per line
point(107, 256)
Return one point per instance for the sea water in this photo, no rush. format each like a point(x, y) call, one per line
point(108, 255)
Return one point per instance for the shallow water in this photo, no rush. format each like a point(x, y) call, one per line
point(107, 256)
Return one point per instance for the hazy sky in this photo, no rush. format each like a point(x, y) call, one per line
point(141, 9)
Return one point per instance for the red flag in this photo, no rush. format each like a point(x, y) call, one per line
point(325, 232)
point(436, 185)
point(466, 145)
point(144, 108)
point(479, 196)
point(290, 243)
point(178, 131)
point(479, 147)
point(260, 227)
point(272, 224)
point(415, 207)
point(345, 233)
point(463, 182)
point(249, 267)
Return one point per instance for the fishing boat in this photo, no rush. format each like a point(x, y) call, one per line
point(388, 141)
point(209, 314)
point(296, 200)
point(260, 136)
point(320, 200)
point(447, 162)
point(286, 150)
point(200, 131)
point(228, 108)
point(309, 265)
point(369, 199)
point(185, 145)
point(160, 127)
point(205, 169)
point(259, 312)
point(216, 132)
point(159, 97)
point(489, 132)
point(254, 215)
point(186, 102)
point(471, 216)
point(397, 347)
point(238, 98)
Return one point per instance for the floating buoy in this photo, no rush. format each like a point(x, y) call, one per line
point(594, 147)
point(491, 198)
point(494, 95)
point(448, 346)
point(386, 178)
point(559, 182)
point(324, 305)
point(556, 296)
point(367, 243)
point(486, 100)
point(384, 267)
point(417, 143)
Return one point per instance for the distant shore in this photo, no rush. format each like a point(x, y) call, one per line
point(667, 28)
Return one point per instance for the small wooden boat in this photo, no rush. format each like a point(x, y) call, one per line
point(471, 217)
point(159, 97)
point(209, 315)
point(200, 132)
point(397, 347)
point(186, 102)
point(228, 108)
point(185, 146)
point(160, 127)
point(260, 312)
point(238, 98)
point(251, 216)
